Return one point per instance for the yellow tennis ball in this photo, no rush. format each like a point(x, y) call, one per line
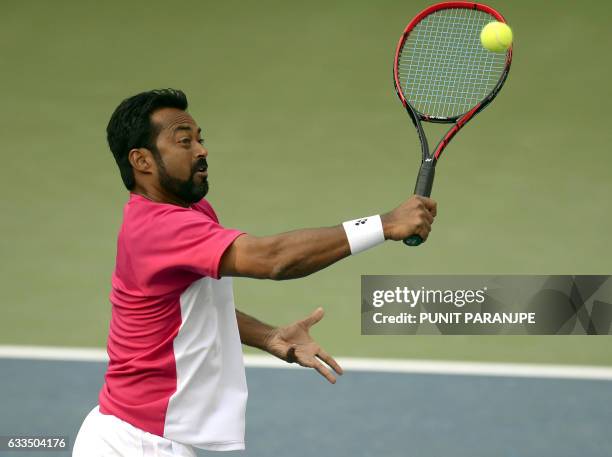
point(496, 36)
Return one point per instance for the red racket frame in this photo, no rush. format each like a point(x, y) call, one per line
point(459, 120)
point(427, 170)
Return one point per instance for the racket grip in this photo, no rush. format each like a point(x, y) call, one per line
point(423, 188)
point(425, 179)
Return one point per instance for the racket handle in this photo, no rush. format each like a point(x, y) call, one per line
point(425, 179)
point(423, 188)
point(413, 240)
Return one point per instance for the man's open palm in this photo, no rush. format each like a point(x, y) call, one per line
point(294, 344)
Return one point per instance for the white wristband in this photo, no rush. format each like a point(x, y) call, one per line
point(364, 233)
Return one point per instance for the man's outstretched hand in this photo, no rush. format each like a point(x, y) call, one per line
point(294, 344)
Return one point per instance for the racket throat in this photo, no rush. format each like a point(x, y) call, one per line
point(425, 178)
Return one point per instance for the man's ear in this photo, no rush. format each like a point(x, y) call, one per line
point(141, 160)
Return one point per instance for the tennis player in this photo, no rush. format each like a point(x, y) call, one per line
point(175, 378)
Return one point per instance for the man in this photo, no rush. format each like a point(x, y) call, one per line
point(175, 378)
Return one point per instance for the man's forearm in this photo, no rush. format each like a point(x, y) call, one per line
point(253, 332)
point(302, 252)
point(286, 255)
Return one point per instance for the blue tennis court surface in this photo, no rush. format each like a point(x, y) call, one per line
point(295, 413)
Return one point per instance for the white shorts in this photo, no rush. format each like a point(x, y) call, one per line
point(103, 435)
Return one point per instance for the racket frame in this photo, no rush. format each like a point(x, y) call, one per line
point(428, 161)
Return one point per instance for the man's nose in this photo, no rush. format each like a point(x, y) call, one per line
point(202, 151)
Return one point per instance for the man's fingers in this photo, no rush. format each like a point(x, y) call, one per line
point(424, 230)
point(312, 362)
point(329, 360)
point(314, 317)
point(430, 204)
point(324, 372)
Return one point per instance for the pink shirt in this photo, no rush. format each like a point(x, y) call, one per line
point(175, 366)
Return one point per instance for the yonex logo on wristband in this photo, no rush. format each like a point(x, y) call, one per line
point(362, 235)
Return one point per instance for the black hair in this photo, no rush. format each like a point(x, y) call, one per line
point(130, 126)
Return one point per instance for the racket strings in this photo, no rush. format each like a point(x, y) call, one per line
point(443, 68)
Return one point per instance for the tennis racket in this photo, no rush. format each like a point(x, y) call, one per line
point(443, 74)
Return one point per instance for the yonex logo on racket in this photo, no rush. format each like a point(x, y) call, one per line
point(361, 221)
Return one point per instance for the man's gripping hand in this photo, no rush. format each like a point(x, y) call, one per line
point(413, 217)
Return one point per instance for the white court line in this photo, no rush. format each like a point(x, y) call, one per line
point(350, 364)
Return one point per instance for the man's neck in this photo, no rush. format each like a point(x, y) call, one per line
point(158, 196)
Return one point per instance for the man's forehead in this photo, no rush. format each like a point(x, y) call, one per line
point(170, 119)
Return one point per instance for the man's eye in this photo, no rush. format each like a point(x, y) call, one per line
point(201, 141)
point(186, 140)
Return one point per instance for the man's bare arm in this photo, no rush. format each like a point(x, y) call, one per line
point(253, 332)
point(302, 252)
point(285, 256)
